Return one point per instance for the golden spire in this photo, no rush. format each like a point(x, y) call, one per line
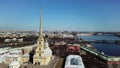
point(40, 33)
point(40, 38)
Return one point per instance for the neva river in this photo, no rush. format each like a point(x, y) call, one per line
point(108, 49)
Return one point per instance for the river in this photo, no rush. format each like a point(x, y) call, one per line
point(106, 48)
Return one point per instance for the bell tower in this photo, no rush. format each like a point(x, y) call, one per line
point(43, 54)
point(39, 52)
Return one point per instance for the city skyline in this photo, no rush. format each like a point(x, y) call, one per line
point(60, 15)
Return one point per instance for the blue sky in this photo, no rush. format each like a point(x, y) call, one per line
point(71, 15)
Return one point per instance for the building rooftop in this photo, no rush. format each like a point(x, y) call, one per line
point(74, 61)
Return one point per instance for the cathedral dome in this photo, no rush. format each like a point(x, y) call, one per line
point(47, 52)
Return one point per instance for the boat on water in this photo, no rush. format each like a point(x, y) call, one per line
point(74, 61)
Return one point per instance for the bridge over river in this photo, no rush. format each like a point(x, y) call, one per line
point(102, 41)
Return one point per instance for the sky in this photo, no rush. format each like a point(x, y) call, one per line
point(60, 15)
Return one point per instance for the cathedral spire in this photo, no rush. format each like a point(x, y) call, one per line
point(43, 54)
point(40, 38)
point(40, 33)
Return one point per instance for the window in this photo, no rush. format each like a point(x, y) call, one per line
point(39, 48)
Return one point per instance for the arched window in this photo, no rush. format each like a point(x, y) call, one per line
point(39, 48)
point(39, 54)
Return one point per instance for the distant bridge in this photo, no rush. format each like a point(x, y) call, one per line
point(102, 41)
